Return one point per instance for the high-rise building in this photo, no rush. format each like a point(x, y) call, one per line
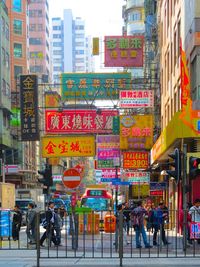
point(70, 46)
point(38, 36)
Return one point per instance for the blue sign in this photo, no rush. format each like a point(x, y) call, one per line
point(157, 186)
point(198, 125)
point(5, 223)
point(109, 180)
point(121, 183)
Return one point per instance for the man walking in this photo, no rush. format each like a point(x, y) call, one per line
point(31, 223)
point(50, 219)
point(137, 218)
point(16, 223)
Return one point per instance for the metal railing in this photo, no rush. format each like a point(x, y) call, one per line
point(93, 235)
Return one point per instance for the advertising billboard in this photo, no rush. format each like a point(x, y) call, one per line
point(136, 99)
point(124, 51)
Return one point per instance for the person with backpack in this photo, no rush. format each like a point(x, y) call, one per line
point(31, 223)
point(48, 224)
point(137, 219)
point(16, 223)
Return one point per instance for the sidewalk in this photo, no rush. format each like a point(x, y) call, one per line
point(28, 259)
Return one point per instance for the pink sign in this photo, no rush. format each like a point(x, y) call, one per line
point(79, 121)
point(108, 141)
point(124, 51)
point(110, 173)
point(136, 99)
point(107, 153)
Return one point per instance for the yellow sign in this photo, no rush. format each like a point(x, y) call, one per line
point(140, 190)
point(52, 100)
point(68, 146)
point(95, 46)
point(136, 132)
point(176, 129)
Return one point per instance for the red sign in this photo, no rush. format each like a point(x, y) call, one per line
point(71, 178)
point(135, 160)
point(156, 193)
point(73, 199)
point(79, 121)
point(124, 51)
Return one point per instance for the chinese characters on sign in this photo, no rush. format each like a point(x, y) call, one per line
point(136, 99)
point(136, 132)
point(124, 51)
point(79, 121)
point(108, 153)
point(135, 160)
point(195, 230)
point(108, 141)
point(29, 107)
point(68, 146)
point(93, 86)
point(138, 177)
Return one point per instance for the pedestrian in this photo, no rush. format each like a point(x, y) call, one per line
point(188, 222)
point(58, 226)
point(31, 223)
point(63, 213)
point(159, 218)
point(137, 219)
point(16, 223)
point(48, 224)
point(195, 214)
point(126, 213)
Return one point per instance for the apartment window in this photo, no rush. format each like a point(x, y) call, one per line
point(3, 87)
point(17, 50)
point(36, 69)
point(79, 43)
point(57, 68)
point(17, 71)
point(56, 28)
point(3, 55)
point(179, 37)
point(40, 27)
point(35, 41)
point(37, 54)
point(79, 52)
point(79, 35)
point(57, 44)
point(7, 60)
point(79, 60)
point(7, 31)
point(57, 52)
point(17, 26)
point(174, 49)
point(79, 27)
point(17, 5)
point(56, 36)
point(3, 25)
point(32, 27)
point(39, 13)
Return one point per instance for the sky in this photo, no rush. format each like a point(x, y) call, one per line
point(102, 17)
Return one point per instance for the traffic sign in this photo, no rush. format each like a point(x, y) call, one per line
point(71, 178)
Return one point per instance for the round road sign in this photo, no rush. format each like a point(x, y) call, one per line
point(71, 178)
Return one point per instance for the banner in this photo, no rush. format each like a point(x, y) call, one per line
point(79, 121)
point(136, 132)
point(29, 108)
point(124, 51)
point(107, 153)
point(68, 146)
point(94, 86)
point(108, 141)
point(135, 160)
point(136, 99)
point(95, 47)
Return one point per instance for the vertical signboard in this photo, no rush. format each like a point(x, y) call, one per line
point(29, 107)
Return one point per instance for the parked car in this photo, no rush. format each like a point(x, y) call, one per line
point(23, 205)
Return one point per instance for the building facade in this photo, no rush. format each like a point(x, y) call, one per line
point(70, 46)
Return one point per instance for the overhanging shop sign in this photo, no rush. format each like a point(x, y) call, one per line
point(93, 86)
point(135, 160)
point(136, 99)
point(79, 121)
point(138, 177)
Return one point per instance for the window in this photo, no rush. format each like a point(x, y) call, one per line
point(3, 87)
point(79, 35)
point(7, 31)
point(17, 50)
point(79, 52)
point(35, 41)
point(36, 54)
point(56, 28)
point(17, 71)
point(57, 68)
point(57, 44)
point(57, 52)
point(79, 43)
point(17, 26)
point(17, 5)
point(36, 69)
point(40, 27)
point(32, 27)
point(79, 27)
point(55, 36)
point(3, 55)
point(7, 60)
